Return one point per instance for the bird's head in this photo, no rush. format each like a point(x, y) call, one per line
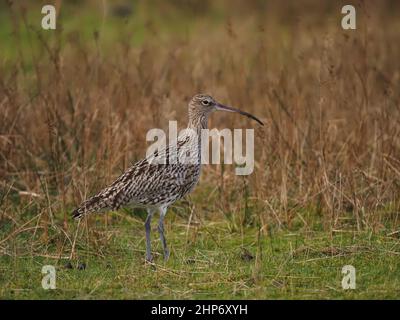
point(202, 105)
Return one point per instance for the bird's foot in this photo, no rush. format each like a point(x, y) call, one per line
point(166, 255)
point(149, 258)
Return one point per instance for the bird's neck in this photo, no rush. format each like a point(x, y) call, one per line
point(198, 122)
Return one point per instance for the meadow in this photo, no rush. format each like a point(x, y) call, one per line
point(76, 104)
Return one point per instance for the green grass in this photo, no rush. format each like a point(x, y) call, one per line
point(79, 22)
point(207, 262)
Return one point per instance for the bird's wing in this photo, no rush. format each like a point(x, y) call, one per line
point(146, 182)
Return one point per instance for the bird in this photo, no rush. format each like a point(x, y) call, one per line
point(164, 176)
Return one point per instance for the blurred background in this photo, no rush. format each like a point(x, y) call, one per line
point(76, 104)
point(77, 101)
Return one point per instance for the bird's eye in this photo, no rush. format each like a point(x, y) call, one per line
point(205, 102)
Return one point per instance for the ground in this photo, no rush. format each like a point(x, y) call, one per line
point(209, 261)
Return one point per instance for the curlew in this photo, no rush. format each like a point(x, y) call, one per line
point(162, 178)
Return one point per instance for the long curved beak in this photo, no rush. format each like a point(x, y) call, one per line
point(221, 107)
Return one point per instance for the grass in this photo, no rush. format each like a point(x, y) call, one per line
point(208, 261)
point(76, 104)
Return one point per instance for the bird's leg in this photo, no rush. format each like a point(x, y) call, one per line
point(163, 211)
point(147, 226)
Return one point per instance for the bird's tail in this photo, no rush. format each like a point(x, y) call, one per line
point(93, 204)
